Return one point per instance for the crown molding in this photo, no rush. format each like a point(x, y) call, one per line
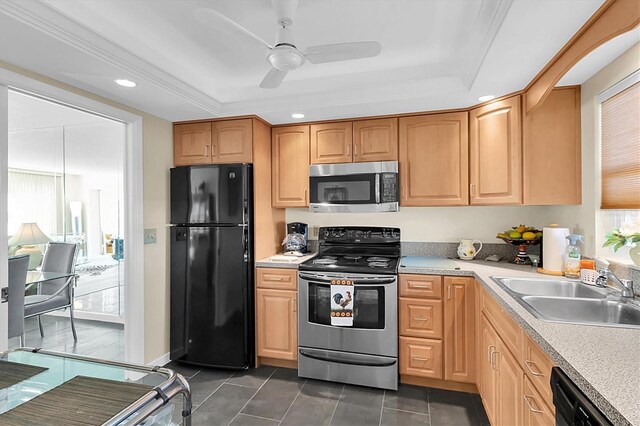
point(45, 19)
point(488, 23)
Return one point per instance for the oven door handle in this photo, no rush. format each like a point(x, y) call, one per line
point(351, 359)
point(377, 184)
point(357, 281)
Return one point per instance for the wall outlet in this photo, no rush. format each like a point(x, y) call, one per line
point(150, 236)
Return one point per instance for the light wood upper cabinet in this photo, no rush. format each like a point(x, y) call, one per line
point(290, 166)
point(459, 329)
point(192, 144)
point(375, 140)
point(277, 324)
point(231, 141)
point(434, 158)
point(496, 153)
point(551, 150)
point(331, 143)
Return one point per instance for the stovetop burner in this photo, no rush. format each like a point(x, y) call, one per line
point(356, 250)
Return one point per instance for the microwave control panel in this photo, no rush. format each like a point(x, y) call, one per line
point(389, 187)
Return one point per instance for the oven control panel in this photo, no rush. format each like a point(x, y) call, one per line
point(359, 234)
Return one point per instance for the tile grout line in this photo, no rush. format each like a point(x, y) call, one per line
point(210, 395)
point(257, 417)
point(294, 400)
point(406, 411)
point(254, 394)
point(384, 393)
point(337, 402)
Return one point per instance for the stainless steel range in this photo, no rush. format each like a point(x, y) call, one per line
point(365, 353)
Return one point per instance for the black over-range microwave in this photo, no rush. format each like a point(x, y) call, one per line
point(354, 187)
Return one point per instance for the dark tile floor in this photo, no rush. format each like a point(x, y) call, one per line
point(277, 396)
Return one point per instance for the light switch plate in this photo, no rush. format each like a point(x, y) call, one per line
point(150, 236)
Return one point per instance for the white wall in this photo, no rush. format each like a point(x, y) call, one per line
point(436, 224)
point(583, 218)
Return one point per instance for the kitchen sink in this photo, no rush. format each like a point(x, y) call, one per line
point(550, 287)
point(585, 311)
point(570, 301)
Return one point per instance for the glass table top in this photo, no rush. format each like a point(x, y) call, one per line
point(61, 369)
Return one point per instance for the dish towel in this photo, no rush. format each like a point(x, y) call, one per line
point(342, 303)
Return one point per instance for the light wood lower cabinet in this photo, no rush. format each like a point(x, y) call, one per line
point(420, 318)
point(534, 411)
point(459, 329)
point(277, 323)
point(421, 357)
point(489, 370)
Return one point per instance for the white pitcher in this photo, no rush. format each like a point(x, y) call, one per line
point(466, 249)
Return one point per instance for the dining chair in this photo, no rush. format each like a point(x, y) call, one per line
point(56, 294)
point(18, 266)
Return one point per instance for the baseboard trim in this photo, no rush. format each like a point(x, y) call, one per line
point(274, 362)
point(438, 383)
point(163, 360)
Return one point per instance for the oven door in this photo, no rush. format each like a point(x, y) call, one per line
point(356, 187)
point(375, 324)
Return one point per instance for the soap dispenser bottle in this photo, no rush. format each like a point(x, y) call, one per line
point(572, 257)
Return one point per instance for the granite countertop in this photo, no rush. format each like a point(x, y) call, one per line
point(281, 261)
point(602, 361)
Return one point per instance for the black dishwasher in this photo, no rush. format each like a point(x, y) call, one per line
point(572, 406)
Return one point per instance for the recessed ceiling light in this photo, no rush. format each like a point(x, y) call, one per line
point(125, 83)
point(297, 115)
point(486, 98)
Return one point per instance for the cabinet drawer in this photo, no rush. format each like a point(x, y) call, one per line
point(535, 411)
point(509, 331)
point(428, 286)
point(421, 357)
point(284, 279)
point(537, 366)
point(421, 318)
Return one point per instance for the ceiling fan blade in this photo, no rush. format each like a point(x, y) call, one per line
point(273, 79)
point(218, 20)
point(342, 51)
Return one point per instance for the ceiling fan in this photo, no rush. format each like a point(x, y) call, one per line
point(284, 56)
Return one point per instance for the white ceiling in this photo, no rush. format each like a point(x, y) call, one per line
point(93, 146)
point(435, 53)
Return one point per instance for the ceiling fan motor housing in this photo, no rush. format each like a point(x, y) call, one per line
point(285, 57)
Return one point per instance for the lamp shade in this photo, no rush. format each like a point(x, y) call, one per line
point(29, 234)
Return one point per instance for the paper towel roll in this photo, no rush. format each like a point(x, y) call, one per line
point(554, 245)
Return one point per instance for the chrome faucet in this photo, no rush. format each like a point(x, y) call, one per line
point(626, 286)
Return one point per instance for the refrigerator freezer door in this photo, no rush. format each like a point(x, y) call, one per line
point(209, 194)
point(215, 318)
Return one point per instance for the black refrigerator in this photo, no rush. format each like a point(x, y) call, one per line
point(212, 265)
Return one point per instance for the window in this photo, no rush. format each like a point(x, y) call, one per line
point(619, 161)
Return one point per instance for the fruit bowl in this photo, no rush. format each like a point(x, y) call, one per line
point(514, 237)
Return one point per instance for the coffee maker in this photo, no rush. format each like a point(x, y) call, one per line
point(295, 243)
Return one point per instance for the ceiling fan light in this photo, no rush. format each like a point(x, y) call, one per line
point(285, 58)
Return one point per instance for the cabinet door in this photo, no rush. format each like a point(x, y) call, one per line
point(534, 411)
point(496, 153)
point(434, 160)
point(509, 388)
point(489, 371)
point(232, 141)
point(331, 143)
point(277, 324)
point(421, 357)
point(375, 140)
point(290, 166)
point(551, 150)
point(191, 144)
point(459, 329)
point(420, 318)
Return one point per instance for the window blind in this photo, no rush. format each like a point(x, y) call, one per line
point(620, 155)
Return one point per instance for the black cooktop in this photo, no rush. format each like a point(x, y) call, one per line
point(357, 249)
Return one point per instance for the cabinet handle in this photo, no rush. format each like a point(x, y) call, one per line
point(472, 190)
point(449, 292)
point(206, 150)
point(213, 150)
point(420, 286)
point(533, 410)
point(494, 361)
point(489, 351)
point(355, 149)
point(295, 304)
point(420, 319)
point(404, 192)
point(274, 278)
point(419, 359)
point(528, 364)
point(306, 198)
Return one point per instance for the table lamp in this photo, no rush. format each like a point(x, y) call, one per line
point(27, 237)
